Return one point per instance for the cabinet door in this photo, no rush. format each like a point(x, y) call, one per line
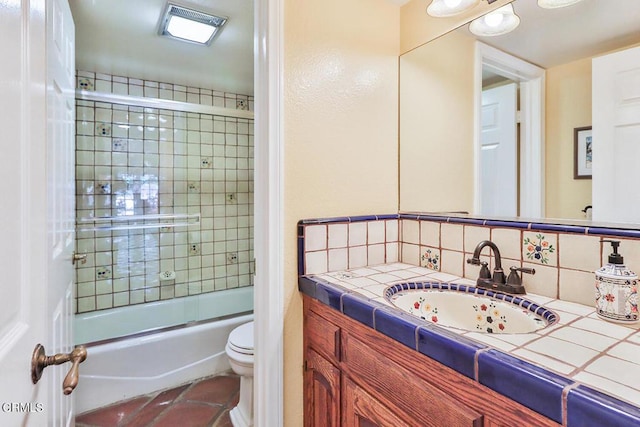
point(418, 401)
point(363, 410)
point(322, 392)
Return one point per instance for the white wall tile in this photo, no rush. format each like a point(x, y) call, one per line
point(337, 235)
point(391, 230)
point(430, 233)
point(357, 233)
point(392, 252)
point(452, 262)
point(579, 252)
point(474, 235)
point(376, 254)
point(357, 256)
point(543, 282)
point(375, 232)
point(316, 262)
point(509, 241)
point(410, 254)
point(410, 231)
point(577, 286)
point(451, 237)
point(338, 259)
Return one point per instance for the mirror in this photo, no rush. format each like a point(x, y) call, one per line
point(439, 129)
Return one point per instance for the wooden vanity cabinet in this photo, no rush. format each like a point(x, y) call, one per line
point(356, 377)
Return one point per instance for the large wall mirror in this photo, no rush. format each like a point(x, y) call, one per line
point(447, 162)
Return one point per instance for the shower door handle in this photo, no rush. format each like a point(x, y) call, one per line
point(78, 257)
point(39, 361)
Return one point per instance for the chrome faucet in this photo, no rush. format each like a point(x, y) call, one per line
point(497, 281)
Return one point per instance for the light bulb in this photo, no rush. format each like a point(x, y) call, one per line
point(493, 19)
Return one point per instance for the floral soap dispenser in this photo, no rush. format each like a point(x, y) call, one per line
point(616, 289)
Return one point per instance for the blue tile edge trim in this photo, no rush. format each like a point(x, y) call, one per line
point(532, 386)
point(450, 349)
point(358, 309)
point(601, 231)
point(560, 228)
point(586, 406)
point(359, 218)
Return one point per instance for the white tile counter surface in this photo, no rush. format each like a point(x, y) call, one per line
point(581, 346)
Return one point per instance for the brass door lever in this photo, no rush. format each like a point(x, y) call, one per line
point(40, 360)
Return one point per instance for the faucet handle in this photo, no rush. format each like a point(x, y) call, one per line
point(484, 267)
point(484, 271)
point(514, 279)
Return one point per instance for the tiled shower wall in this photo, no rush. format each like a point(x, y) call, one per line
point(144, 161)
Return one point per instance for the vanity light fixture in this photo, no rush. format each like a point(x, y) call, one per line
point(444, 8)
point(554, 4)
point(190, 25)
point(498, 22)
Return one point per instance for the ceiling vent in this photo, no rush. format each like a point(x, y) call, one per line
point(190, 25)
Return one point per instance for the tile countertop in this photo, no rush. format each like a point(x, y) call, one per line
point(580, 356)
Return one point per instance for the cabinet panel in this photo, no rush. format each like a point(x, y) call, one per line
point(322, 335)
point(392, 382)
point(363, 410)
point(322, 392)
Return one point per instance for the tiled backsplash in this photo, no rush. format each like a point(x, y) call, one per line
point(347, 243)
point(140, 161)
point(564, 257)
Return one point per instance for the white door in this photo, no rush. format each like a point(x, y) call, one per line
point(498, 152)
point(37, 215)
point(616, 137)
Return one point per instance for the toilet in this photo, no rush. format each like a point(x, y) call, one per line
point(240, 351)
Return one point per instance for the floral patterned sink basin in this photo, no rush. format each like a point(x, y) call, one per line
point(470, 308)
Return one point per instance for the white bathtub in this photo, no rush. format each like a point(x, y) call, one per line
point(130, 367)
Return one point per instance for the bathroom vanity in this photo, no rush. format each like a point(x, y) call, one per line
point(368, 362)
point(355, 376)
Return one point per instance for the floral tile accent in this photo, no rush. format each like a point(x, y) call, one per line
point(193, 187)
point(489, 318)
point(430, 259)
point(537, 247)
point(424, 310)
point(85, 83)
point(103, 129)
point(119, 144)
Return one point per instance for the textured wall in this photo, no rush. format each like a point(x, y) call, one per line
point(341, 133)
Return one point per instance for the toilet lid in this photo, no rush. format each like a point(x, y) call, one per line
point(241, 338)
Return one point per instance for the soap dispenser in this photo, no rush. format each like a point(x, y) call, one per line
point(616, 289)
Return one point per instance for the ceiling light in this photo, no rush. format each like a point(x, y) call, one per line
point(495, 23)
point(190, 25)
point(444, 8)
point(553, 4)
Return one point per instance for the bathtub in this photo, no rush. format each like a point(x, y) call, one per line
point(165, 355)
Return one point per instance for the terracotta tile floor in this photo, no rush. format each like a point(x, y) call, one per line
point(203, 403)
